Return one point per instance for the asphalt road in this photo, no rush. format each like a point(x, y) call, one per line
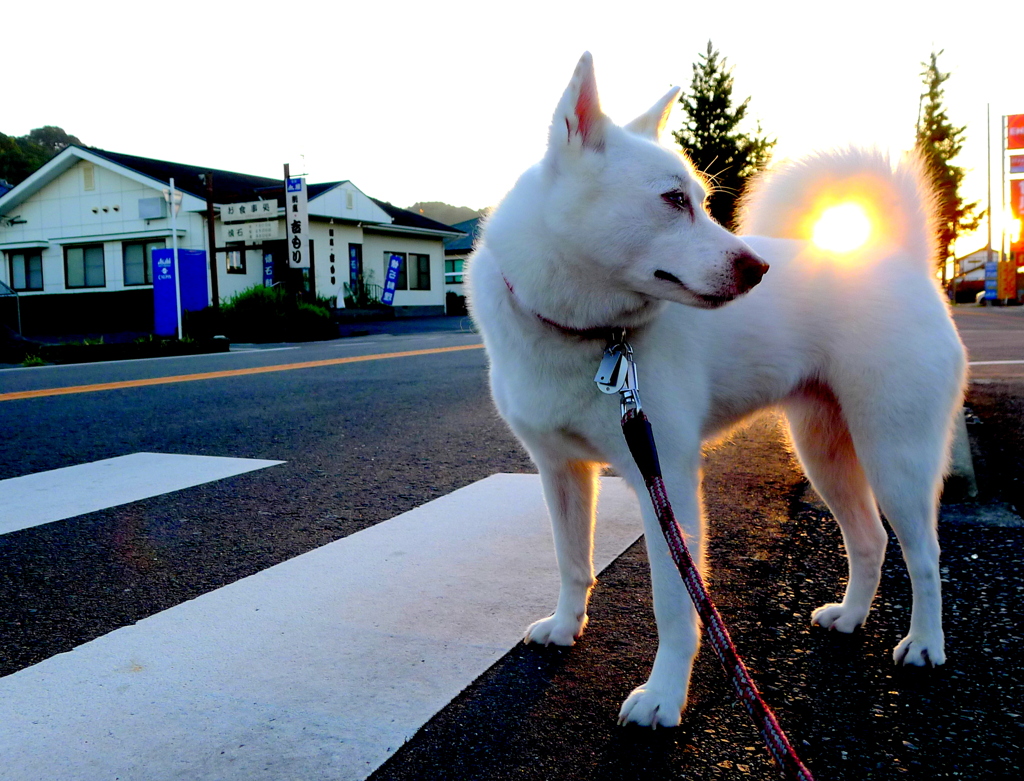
point(366, 440)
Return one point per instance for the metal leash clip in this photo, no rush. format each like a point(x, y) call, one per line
point(617, 373)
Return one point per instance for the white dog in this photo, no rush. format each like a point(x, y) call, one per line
point(857, 348)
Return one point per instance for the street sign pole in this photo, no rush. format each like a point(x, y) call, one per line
point(211, 234)
point(174, 249)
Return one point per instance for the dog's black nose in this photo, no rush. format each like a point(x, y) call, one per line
point(748, 270)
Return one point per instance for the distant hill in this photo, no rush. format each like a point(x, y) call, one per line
point(443, 212)
point(21, 156)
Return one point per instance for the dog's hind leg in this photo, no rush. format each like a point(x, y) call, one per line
point(570, 490)
point(904, 464)
point(826, 451)
point(901, 423)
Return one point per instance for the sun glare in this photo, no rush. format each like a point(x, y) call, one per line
point(842, 228)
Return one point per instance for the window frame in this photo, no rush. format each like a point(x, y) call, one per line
point(422, 275)
point(147, 260)
point(454, 276)
point(236, 249)
point(26, 255)
point(85, 278)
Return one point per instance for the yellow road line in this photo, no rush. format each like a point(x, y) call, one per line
point(42, 392)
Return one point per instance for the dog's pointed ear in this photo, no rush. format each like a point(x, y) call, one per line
point(579, 122)
point(651, 124)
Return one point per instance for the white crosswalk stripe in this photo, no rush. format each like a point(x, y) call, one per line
point(319, 667)
point(50, 496)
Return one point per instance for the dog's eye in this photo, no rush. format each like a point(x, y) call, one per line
point(677, 199)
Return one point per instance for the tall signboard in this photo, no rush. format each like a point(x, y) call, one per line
point(297, 222)
point(1004, 284)
point(194, 292)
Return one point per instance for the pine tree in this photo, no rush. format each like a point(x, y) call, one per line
point(938, 143)
point(712, 139)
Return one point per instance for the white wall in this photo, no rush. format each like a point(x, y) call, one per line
point(323, 249)
point(61, 213)
point(374, 247)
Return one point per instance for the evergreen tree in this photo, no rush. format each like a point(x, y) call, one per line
point(712, 139)
point(938, 143)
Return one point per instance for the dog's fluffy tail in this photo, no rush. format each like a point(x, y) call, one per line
point(788, 200)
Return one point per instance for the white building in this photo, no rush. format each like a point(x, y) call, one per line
point(77, 235)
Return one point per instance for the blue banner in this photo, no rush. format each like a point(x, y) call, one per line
point(194, 290)
point(391, 279)
point(268, 269)
point(355, 265)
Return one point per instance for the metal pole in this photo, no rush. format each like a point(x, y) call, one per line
point(174, 250)
point(988, 158)
point(211, 233)
point(287, 252)
point(1002, 173)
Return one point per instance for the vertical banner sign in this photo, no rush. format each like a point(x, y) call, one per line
point(391, 279)
point(297, 223)
point(1015, 131)
point(355, 265)
point(268, 269)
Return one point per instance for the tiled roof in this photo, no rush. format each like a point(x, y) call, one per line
point(232, 187)
point(464, 243)
point(228, 186)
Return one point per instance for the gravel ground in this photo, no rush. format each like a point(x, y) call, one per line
point(544, 713)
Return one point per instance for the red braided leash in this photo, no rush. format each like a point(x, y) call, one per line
point(640, 438)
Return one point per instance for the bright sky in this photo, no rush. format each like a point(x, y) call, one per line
point(451, 100)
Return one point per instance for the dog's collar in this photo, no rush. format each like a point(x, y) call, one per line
point(604, 333)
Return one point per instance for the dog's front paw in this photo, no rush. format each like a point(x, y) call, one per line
point(840, 617)
point(556, 630)
point(652, 707)
point(920, 651)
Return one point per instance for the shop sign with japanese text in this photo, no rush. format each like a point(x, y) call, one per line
point(252, 210)
point(391, 279)
point(252, 232)
point(297, 222)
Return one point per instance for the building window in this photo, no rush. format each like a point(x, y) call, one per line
point(83, 266)
point(26, 270)
point(453, 271)
point(138, 261)
point(403, 271)
point(419, 272)
point(236, 261)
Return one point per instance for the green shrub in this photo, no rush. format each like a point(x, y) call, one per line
point(33, 360)
point(270, 314)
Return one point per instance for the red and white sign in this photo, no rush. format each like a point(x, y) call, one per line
point(1015, 131)
point(1017, 198)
